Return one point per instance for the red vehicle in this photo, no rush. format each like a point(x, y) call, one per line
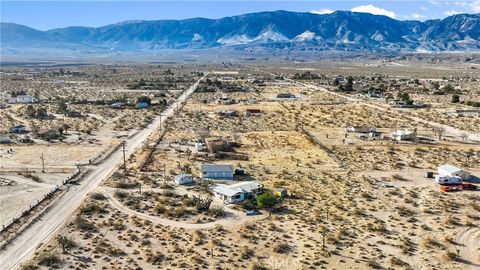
point(469, 186)
point(450, 188)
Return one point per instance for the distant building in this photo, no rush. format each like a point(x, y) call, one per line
point(451, 171)
point(141, 105)
point(361, 129)
point(403, 135)
point(227, 113)
point(237, 192)
point(5, 140)
point(23, 99)
point(219, 172)
point(249, 112)
point(215, 145)
point(18, 129)
point(183, 179)
point(286, 95)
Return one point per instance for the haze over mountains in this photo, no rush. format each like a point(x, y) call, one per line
point(278, 30)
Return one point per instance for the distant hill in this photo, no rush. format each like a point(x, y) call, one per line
point(339, 31)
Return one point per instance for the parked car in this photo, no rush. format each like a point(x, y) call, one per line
point(469, 186)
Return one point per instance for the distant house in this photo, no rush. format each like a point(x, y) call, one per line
point(141, 105)
point(73, 114)
point(228, 113)
point(449, 170)
point(465, 113)
point(361, 129)
point(48, 134)
point(215, 145)
point(117, 105)
point(5, 140)
point(237, 192)
point(182, 179)
point(403, 135)
point(219, 172)
point(249, 112)
point(18, 129)
point(286, 95)
point(23, 99)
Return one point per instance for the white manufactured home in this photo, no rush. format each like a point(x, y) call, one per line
point(237, 192)
point(449, 170)
point(182, 179)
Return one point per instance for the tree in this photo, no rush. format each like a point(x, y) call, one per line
point(349, 84)
point(65, 127)
point(455, 98)
point(265, 200)
point(336, 82)
point(323, 231)
point(144, 99)
point(62, 107)
point(30, 111)
point(66, 243)
point(439, 131)
point(448, 88)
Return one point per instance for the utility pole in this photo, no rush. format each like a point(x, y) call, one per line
point(43, 163)
point(124, 159)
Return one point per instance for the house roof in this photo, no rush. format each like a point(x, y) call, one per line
point(231, 190)
point(216, 168)
point(180, 176)
point(449, 168)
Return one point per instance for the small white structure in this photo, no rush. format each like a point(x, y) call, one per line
point(23, 99)
point(448, 180)
point(360, 129)
point(183, 179)
point(200, 146)
point(449, 170)
point(237, 192)
point(403, 135)
point(217, 171)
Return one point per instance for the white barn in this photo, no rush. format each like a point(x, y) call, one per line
point(182, 179)
point(237, 192)
point(217, 171)
point(449, 170)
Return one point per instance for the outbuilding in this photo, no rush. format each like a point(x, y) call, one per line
point(217, 171)
point(182, 179)
point(450, 170)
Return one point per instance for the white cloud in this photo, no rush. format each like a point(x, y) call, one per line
point(322, 11)
point(451, 12)
point(374, 10)
point(415, 16)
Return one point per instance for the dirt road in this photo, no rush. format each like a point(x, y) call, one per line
point(43, 230)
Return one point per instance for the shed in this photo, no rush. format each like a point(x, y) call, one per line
point(217, 171)
point(182, 179)
point(280, 192)
point(450, 170)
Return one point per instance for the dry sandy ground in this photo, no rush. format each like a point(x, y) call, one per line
point(18, 191)
point(361, 206)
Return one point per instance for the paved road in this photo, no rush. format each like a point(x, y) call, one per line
point(44, 229)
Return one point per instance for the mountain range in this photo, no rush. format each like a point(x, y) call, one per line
point(276, 30)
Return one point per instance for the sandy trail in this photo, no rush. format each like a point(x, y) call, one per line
point(469, 246)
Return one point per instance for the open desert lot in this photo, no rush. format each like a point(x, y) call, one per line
point(262, 168)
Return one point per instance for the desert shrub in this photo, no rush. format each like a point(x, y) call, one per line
point(217, 212)
point(246, 252)
point(92, 208)
point(83, 224)
point(278, 184)
point(121, 194)
point(98, 196)
point(156, 259)
point(450, 255)
point(126, 185)
point(29, 267)
point(50, 260)
point(281, 248)
point(160, 209)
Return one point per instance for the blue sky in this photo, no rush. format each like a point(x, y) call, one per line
point(44, 15)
